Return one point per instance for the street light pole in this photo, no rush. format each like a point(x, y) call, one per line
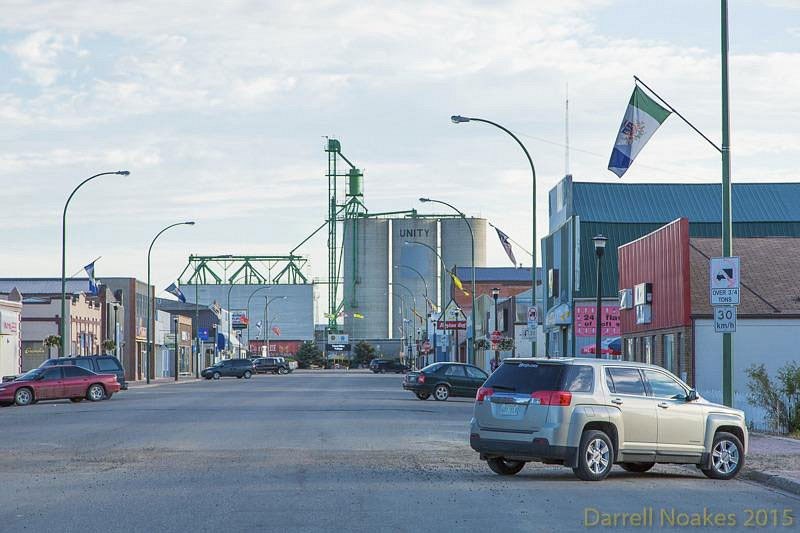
point(458, 119)
point(470, 340)
point(599, 248)
point(176, 347)
point(727, 225)
point(149, 348)
point(63, 331)
point(267, 301)
point(495, 295)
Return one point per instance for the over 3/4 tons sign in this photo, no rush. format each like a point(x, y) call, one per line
point(724, 280)
point(725, 319)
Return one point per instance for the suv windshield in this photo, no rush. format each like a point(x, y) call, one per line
point(526, 378)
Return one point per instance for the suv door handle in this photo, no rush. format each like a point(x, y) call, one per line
point(663, 405)
point(616, 401)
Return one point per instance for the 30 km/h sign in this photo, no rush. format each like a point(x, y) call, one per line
point(724, 279)
point(725, 319)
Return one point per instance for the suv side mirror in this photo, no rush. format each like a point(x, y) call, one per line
point(692, 396)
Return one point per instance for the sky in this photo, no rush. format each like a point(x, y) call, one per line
point(220, 111)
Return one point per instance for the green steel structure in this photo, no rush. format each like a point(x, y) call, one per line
point(243, 270)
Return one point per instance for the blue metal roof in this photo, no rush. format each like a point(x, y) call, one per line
point(496, 274)
point(664, 202)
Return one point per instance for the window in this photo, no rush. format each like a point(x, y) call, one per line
point(84, 363)
point(663, 386)
point(53, 373)
point(579, 378)
point(476, 373)
point(526, 378)
point(107, 364)
point(630, 351)
point(626, 381)
point(648, 349)
point(669, 353)
point(454, 371)
point(75, 372)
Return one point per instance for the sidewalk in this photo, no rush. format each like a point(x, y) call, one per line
point(774, 461)
point(160, 381)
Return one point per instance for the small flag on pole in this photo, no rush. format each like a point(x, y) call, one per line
point(174, 290)
point(92, 281)
point(506, 246)
point(358, 315)
point(457, 281)
point(642, 118)
point(276, 330)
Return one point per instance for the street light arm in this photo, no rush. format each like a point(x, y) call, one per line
point(496, 125)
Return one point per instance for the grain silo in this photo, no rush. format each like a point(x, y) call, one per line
point(457, 245)
point(366, 278)
point(419, 257)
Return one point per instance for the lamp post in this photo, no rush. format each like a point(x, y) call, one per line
point(230, 315)
point(176, 346)
point(458, 119)
point(215, 327)
point(249, 298)
point(425, 285)
point(267, 301)
point(470, 340)
point(64, 256)
point(403, 319)
point(149, 300)
point(599, 248)
point(495, 295)
point(414, 308)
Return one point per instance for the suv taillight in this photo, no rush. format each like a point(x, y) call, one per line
point(421, 378)
point(483, 392)
point(559, 398)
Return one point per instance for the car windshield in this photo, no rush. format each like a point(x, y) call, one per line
point(526, 377)
point(432, 368)
point(218, 363)
point(30, 375)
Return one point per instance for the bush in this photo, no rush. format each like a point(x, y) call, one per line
point(780, 399)
point(363, 353)
point(308, 355)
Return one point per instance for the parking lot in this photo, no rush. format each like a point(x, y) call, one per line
point(308, 451)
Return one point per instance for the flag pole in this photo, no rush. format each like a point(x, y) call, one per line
point(84, 268)
point(672, 109)
point(727, 225)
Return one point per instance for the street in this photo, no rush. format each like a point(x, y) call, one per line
point(308, 451)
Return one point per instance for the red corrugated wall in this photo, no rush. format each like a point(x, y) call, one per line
point(660, 258)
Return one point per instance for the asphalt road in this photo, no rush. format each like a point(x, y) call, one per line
point(326, 451)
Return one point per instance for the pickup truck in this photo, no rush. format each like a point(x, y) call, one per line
point(271, 365)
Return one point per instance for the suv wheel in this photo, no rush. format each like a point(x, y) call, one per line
point(283, 371)
point(215, 375)
point(441, 392)
point(637, 467)
point(727, 457)
point(595, 456)
point(504, 467)
point(423, 395)
point(247, 374)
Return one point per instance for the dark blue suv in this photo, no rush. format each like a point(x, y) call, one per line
point(99, 364)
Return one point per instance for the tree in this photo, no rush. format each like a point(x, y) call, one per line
point(363, 353)
point(109, 346)
point(308, 355)
point(780, 399)
point(52, 341)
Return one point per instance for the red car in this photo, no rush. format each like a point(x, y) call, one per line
point(56, 383)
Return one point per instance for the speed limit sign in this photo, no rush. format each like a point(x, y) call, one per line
point(725, 319)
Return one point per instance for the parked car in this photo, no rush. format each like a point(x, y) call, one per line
point(382, 366)
point(271, 365)
point(56, 383)
point(589, 414)
point(240, 368)
point(443, 380)
point(99, 364)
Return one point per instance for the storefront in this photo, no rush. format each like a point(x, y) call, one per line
point(10, 358)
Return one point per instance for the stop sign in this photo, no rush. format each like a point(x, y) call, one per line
point(496, 336)
point(426, 346)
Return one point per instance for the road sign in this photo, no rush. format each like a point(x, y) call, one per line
point(533, 316)
point(725, 319)
point(496, 336)
point(426, 346)
point(723, 280)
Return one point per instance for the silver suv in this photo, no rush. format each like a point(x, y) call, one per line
point(588, 414)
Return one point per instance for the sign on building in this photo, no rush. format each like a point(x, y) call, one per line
point(725, 319)
point(724, 280)
point(239, 319)
point(586, 323)
point(338, 338)
point(533, 316)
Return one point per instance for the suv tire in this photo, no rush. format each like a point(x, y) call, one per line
point(423, 395)
point(504, 467)
point(441, 392)
point(95, 393)
point(595, 456)
point(283, 371)
point(727, 456)
point(216, 375)
point(247, 374)
point(637, 467)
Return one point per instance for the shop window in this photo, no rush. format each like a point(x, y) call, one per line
point(647, 349)
point(670, 361)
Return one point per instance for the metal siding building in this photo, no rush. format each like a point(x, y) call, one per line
point(415, 256)
point(624, 212)
point(457, 246)
point(366, 275)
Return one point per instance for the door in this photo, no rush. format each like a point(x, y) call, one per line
point(76, 381)
point(639, 412)
point(455, 375)
point(475, 379)
point(680, 423)
point(51, 385)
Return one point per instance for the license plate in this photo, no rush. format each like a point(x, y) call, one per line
point(510, 410)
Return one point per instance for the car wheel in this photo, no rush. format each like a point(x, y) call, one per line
point(441, 392)
point(423, 395)
point(247, 374)
point(504, 467)
point(727, 457)
point(215, 375)
point(109, 395)
point(23, 396)
point(238, 377)
point(95, 393)
point(76, 400)
point(637, 467)
point(283, 371)
point(595, 456)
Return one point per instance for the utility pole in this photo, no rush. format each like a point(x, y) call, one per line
point(727, 225)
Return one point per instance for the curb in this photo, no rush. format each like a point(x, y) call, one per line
point(772, 480)
point(143, 385)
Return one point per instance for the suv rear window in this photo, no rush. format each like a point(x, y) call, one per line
point(526, 378)
point(579, 378)
point(108, 364)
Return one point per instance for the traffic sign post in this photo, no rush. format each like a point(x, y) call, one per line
point(725, 319)
point(724, 280)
